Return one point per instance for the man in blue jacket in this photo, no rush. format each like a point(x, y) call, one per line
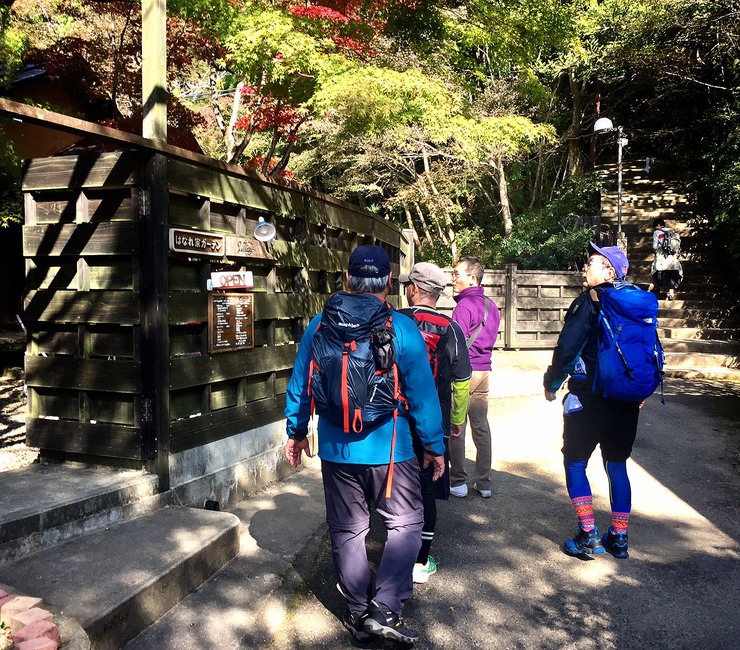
point(478, 318)
point(360, 460)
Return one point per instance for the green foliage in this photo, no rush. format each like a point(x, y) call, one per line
point(554, 237)
point(13, 44)
point(372, 100)
point(11, 202)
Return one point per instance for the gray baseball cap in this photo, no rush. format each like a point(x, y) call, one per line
point(426, 276)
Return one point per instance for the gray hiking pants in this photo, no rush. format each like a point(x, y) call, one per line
point(349, 490)
point(481, 432)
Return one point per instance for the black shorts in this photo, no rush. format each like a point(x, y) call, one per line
point(605, 422)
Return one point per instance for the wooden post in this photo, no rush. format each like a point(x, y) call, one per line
point(155, 339)
point(511, 307)
point(154, 69)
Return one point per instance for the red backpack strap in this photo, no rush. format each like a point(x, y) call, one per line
point(391, 464)
point(351, 345)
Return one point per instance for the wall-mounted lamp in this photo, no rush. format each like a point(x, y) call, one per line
point(264, 231)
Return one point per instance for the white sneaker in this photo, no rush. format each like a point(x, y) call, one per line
point(486, 494)
point(460, 491)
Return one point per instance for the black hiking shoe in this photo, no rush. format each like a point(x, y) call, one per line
point(381, 621)
point(616, 544)
point(585, 543)
point(354, 623)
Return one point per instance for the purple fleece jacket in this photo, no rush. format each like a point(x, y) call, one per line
point(469, 314)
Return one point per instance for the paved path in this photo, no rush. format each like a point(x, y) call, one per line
point(503, 581)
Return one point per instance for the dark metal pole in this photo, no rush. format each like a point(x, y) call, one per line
point(619, 182)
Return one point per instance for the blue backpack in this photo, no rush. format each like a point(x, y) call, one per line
point(354, 380)
point(630, 359)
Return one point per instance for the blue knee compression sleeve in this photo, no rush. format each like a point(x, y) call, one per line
point(576, 480)
point(620, 491)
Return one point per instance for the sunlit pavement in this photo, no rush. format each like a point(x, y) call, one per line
point(503, 580)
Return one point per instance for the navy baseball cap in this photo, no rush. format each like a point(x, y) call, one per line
point(616, 258)
point(369, 262)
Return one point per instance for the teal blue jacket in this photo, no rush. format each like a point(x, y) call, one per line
point(373, 447)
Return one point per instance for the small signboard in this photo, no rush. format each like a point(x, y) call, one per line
point(230, 321)
point(232, 280)
point(196, 242)
point(246, 247)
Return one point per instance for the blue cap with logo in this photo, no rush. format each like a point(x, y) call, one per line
point(369, 262)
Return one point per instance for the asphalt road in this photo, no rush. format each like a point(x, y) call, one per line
point(503, 580)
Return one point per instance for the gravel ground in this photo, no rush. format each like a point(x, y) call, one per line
point(14, 454)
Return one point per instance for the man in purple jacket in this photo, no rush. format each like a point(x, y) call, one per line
point(478, 318)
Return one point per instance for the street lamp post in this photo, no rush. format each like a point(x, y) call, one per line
point(605, 125)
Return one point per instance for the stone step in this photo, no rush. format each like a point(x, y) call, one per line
point(77, 500)
point(703, 360)
point(690, 333)
point(716, 374)
point(700, 346)
point(117, 581)
point(248, 602)
point(678, 323)
point(682, 307)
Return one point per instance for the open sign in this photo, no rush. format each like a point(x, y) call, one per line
point(232, 280)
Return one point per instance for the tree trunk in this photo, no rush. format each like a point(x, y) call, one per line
point(503, 192)
point(575, 165)
point(117, 61)
point(410, 222)
point(230, 141)
point(283, 162)
point(538, 177)
point(420, 214)
point(271, 151)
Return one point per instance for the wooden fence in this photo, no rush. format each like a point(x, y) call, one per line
point(532, 304)
point(121, 364)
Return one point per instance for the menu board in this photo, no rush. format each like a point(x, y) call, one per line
point(230, 321)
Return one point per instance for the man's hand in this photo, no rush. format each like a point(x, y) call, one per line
point(439, 464)
point(550, 397)
point(457, 430)
point(293, 450)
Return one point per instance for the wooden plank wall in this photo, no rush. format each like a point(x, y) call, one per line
point(83, 308)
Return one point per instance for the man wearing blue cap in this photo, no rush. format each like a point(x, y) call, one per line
point(365, 368)
point(590, 418)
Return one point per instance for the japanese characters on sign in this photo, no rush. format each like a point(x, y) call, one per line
point(196, 242)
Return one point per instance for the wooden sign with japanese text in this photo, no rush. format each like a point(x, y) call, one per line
point(196, 242)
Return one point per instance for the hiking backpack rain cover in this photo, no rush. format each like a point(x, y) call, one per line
point(630, 359)
point(353, 377)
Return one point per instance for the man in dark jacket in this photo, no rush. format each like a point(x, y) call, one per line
point(448, 358)
point(589, 417)
point(478, 318)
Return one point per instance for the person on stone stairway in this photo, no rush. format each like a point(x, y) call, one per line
point(666, 269)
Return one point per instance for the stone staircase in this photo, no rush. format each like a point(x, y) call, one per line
point(700, 335)
point(103, 547)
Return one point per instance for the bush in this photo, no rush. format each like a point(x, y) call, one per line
point(555, 237)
